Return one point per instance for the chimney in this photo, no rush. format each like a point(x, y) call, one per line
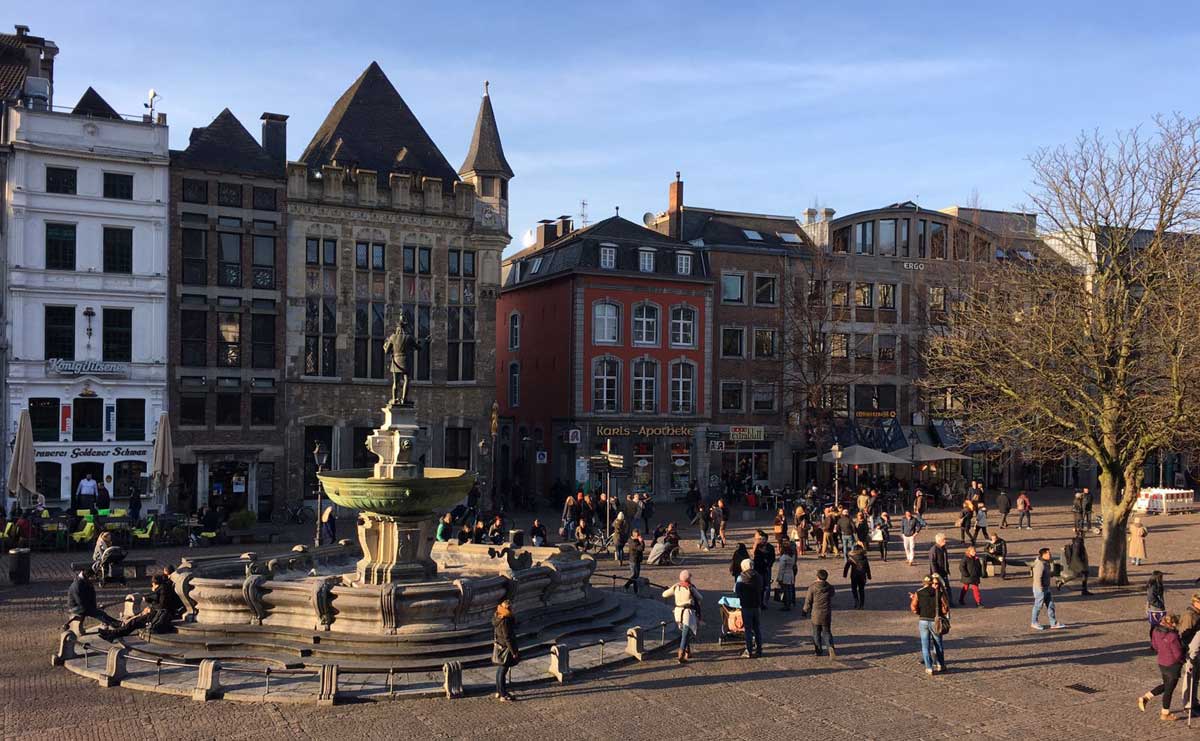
point(827, 214)
point(547, 232)
point(565, 226)
point(21, 30)
point(274, 136)
point(810, 216)
point(675, 209)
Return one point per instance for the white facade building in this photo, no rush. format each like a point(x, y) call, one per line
point(86, 218)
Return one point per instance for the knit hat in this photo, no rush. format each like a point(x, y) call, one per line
point(747, 565)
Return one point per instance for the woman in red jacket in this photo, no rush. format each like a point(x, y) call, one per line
point(1164, 638)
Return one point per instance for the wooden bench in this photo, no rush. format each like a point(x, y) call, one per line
point(139, 566)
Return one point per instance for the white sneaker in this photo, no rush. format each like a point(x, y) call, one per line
point(1037, 626)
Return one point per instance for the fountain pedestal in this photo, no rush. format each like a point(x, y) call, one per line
point(395, 548)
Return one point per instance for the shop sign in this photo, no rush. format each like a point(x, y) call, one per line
point(60, 367)
point(914, 266)
point(680, 462)
point(645, 431)
point(76, 453)
point(642, 463)
point(574, 436)
point(739, 434)
point(876, 414)
point(716, 445)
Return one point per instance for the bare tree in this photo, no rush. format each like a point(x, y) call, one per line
point(1091, 348)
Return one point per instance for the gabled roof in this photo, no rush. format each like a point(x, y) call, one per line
point(757, 232)
point(579, 251)
point(91, 104)
point(372, 127)
point(226, 146)
point(486, 154)
point(13, 66)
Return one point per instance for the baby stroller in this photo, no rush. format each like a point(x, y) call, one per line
point(731, 621)
point(664, 553)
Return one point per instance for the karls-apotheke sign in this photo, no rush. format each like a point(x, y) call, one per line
point(60, 367)
point(644, 431)
point(76, 453)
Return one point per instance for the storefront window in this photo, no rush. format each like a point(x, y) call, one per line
point(749, 464)
point(681, 465)
point(127, 476)
point(643, 467)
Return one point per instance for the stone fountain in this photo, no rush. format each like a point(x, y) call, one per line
point(404, 605)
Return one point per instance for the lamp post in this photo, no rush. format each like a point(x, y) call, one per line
point(494, 428)
point(837, 462)
point(320, 457)
point(913, 441)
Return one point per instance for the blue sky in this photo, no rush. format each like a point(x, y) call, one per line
point(769, 107)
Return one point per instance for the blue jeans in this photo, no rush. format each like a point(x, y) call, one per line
point(685, 636)
point(1040, 600)
point(502, 680)
point(928, 636)
point(822, 637)
point(847, 545)
point(752, 627)
point(1024, 519)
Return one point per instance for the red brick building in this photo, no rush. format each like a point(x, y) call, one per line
point(605, 333)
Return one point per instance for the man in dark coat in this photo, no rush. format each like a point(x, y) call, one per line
point(939, 559)
point(749, 589)
point(81, 603)
point(764, 559)
point(1075, 563)
point(1004, 504)
point(818, 606)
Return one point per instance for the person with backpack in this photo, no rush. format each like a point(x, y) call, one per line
point(688, 602)
point(932, 608)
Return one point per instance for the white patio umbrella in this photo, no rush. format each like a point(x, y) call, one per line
point(922, 453)
point(162, 459)
point(859, 455)
point(22, 476)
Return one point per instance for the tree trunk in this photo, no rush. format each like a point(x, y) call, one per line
point(1118, 492)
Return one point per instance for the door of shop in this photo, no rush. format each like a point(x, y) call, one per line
point(227, 485)
point(78, 471)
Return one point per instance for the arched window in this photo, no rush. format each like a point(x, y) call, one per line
point(514, 384)
point(683, 388)
point(645, 386)
point(604, 385)
point(645, 324)
point(606, 324)
point(683, 326)
point(514, 331)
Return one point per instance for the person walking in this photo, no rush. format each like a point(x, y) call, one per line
point(845, 530)
point(932, 607)
point(135, 506)
point(965, 521)
point(328, 526)
point(858, 568)
point(882, 533)
point(1042, 596)
point(1137, 542)
point(939, 559)
point(620, 534)
point(504, 648)
point(818, 607)
point(971, 571)
point(828, 526)
point(1075, 564)
point(722, 509)
point(1189, 628)
point(703, 520)
point(749, 591)
point(1024, 512)
point(637, 552)
point(785, 572)
point(909, 527)
point(716, 525)
point(1088, 501)
point(802, 526)
point(780, 526)
point(981, 523)
point(1004, 505)
point(920, 502)
point(1077, 511)
point(1156, 605)
point(688, 602)
point(1167, 645)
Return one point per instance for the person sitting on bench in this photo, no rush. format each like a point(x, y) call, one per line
point(163, 608)
point(81, 602)
point(997, 553)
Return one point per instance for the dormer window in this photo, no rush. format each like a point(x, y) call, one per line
point(608, 256)
point(537, 264)
point(683, 263)
point(646, 261)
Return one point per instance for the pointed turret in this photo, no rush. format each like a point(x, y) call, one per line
point(486, 155)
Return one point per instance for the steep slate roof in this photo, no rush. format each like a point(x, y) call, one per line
point(226, 146)
point(13, 66)
point(91, 104)
point(372, 127)
point(726, 229)
point(580, 251)
point(486, 154)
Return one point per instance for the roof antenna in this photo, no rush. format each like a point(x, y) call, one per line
point(485, 88)
point(677, 176)
point(618, 208)
point(583, 214)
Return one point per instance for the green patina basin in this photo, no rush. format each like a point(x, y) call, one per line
point(439, 490)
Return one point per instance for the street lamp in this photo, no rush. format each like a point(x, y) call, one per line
point(913, 442)
point(837, 461)
point(320, 457)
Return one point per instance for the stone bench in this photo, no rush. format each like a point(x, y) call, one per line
point(139, 566)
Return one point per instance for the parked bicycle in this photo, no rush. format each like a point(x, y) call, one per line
point(301, 514)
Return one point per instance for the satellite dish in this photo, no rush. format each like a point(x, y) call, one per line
point(529, 238)
point(648, 218)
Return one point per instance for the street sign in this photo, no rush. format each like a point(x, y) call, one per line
point(574, 436)
point(543, 457)
point(616, 461)
point(716, 445)
point(712, 435)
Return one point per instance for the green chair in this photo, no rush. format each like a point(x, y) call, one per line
point(82, 512)
point(119, 513)
point(85, 533)
point(146, 534)
point(103, 512)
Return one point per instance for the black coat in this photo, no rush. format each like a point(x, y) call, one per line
point(749, 591)
point(939, 560)
point(81, 597)
point(504, 640)
point(764, 559)
point(1003, 503)
point(857, 567)
point(970, 569)
point(818, 603)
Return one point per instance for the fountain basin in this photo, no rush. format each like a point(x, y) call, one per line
point(435, 491)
